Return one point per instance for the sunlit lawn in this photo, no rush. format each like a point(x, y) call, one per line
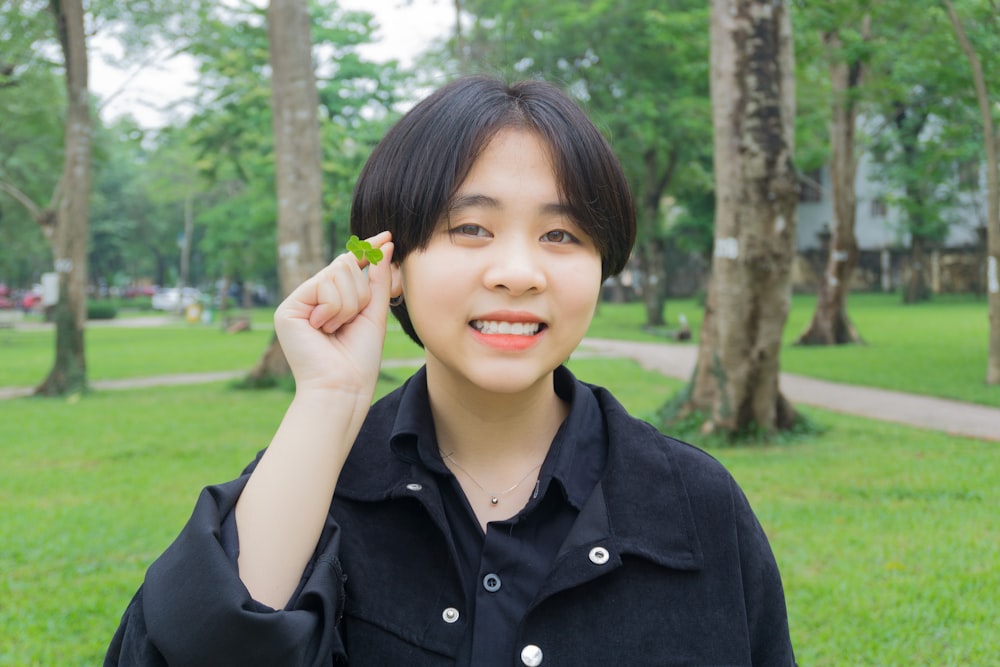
point(887, 537)
point(123, 352)
point(936, 348)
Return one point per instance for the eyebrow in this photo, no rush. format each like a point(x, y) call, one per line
point(461, 202)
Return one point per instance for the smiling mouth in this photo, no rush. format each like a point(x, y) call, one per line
point(491, 327)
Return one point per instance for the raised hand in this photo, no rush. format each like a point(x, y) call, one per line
point(332, 326)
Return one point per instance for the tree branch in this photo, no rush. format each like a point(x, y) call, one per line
point(36, 212)
point(158, 57)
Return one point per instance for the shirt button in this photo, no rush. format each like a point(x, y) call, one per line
point(491, 582)
point(450, 615)
point(531, 656)
point(599, 556)
point(414, 487)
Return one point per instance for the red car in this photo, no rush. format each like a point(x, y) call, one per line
point(31, 300)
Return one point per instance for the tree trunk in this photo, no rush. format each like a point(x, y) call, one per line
point(830, 323)
point(653, 287)
point(69, 236)
point(917, 288)
point(736, 380)
point(299, 180)
point(990, 140)
point(652, 252)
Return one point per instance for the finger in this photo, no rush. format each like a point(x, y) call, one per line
point(380, 283)
point(309, 293)
point(339, 291)
point(354, 296)
point(328, 304)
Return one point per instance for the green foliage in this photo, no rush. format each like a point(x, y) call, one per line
point(101, 310)
point(924, 122)
point(218, 165)
point(123, 208)
point(364, 250)
point(641, 81)
point(32, 91)
point(231, 132)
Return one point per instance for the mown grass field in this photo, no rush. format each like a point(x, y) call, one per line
point(888, 537)
point(936, 348)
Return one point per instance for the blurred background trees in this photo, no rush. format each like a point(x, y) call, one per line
point(885, 98)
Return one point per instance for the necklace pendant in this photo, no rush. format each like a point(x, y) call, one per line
point(494, 500)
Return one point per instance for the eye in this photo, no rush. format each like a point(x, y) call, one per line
point(559, 236)
point(468, 229)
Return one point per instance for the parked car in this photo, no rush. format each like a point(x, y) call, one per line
point(31, 300)
point(171, 299)
point(140, 290)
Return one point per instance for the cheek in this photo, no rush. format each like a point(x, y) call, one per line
point(421, 275)
point(581, 287)
point(428, 286)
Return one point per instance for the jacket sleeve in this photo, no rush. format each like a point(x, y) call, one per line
point(764, 596)
point(193, 609)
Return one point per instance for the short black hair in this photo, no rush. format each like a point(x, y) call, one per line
point(410, 178)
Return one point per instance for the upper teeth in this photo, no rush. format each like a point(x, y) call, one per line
point(515, 328)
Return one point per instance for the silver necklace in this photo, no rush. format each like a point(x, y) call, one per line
point(494, 497)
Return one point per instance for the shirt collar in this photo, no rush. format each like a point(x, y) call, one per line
point(575, 460)
point(644, 483)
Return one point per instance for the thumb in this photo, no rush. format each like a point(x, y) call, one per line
point(380, 282)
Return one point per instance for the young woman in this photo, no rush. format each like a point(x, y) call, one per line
point(494, 510)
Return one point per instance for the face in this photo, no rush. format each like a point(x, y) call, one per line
point(508, 284)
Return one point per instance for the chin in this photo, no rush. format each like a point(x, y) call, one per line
point(507, 377)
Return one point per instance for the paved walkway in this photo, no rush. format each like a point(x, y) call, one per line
point(965, 419)
point(957, 418)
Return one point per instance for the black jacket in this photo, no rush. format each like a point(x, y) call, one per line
point(666, 565)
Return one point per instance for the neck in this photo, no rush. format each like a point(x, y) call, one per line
point(495, 435)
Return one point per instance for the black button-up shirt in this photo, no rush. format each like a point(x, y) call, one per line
point(503, 569)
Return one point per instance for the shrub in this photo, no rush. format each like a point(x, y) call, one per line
point(101, 310)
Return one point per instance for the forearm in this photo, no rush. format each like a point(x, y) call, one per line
point(282, 510)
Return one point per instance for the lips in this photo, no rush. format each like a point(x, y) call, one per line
point(508, 331)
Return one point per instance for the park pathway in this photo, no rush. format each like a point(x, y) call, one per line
point(954, 417)
point(677, 361)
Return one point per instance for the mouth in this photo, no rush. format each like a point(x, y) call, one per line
point(503, 327)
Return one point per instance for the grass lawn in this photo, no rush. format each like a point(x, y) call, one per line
point(936, 348)
point(122, 352)
point(887, 537)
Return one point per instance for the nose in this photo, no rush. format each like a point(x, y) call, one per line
point(516, 267)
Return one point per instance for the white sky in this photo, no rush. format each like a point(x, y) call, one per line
point(406, 27)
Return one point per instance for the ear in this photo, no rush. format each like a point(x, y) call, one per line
point(396, 287)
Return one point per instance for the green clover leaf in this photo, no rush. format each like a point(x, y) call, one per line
point(364, 250)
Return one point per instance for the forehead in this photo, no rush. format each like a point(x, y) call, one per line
point(513, 158)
